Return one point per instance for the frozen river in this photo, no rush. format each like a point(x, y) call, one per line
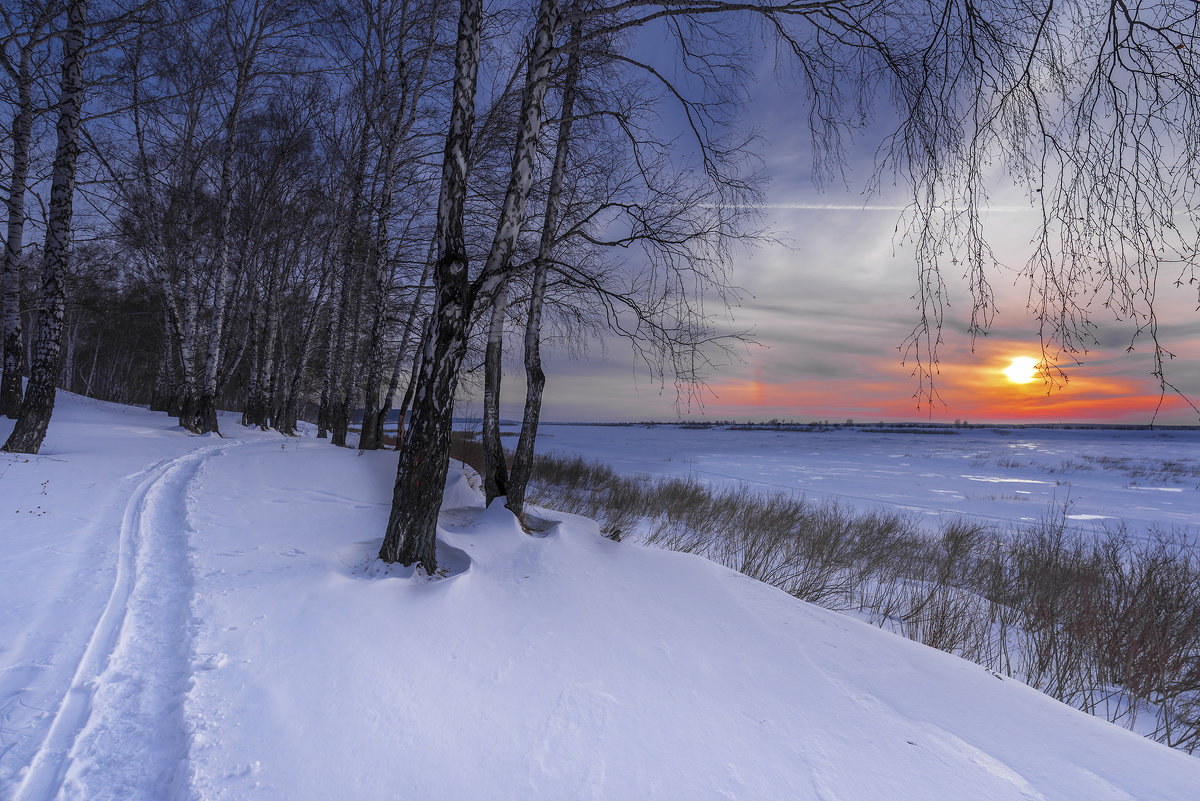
point(1144, 478)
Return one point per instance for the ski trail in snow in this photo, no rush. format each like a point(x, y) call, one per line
point(118, 732)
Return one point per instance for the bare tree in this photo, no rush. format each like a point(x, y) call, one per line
point(425, 455)
point(38, 402)
point(26, 28)
point(535, 377)
point(255, 32)
point(410, 532)
point(406, 79)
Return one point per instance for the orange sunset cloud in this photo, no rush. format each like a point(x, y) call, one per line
point(997, 386)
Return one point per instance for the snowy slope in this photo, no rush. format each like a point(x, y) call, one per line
point(216, 610)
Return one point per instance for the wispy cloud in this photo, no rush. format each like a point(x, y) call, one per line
point(846, 207)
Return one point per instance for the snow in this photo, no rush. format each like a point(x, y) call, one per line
point(1001, 475)
point(204, 618)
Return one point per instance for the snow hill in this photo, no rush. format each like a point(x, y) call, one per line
point(202, 618)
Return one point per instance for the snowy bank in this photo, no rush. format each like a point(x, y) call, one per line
point(216, 611)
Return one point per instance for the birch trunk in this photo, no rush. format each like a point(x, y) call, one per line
point(494, 278)
point(535, 377)
point(495, 471)
point(38, 403)
point(11, 356)
point(335, 316)
point(206, 405)
point(87, 388)
point(263, 326)
point(177, 397)
point(332, 398)
point(252, 408)
point(409, 89)
point(10, 277)
point(161, 399)
point(425, 456)
point(270, 383)
point(371, 436)
point(406, 403)
point(512, 213)
point(187, 412)
point(66, 378)
point(231, 365)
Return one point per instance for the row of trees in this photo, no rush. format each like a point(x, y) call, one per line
point(262, 185)
point(326, 201)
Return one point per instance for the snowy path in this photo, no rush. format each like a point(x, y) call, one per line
point(108, 738)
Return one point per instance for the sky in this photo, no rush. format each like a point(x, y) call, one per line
point(830, 305)
point(829, 316)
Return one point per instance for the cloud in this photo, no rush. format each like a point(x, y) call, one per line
point(815, 206)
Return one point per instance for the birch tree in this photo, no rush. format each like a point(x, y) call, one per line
point(254, 30)
point(350, 144)
point(535, 377)
point(160, 185)
point(425, 455)
point(406, 78)
point(278, 207)
point(38, 402)
point(494, 279)
point(25, 37)
point(410, 532)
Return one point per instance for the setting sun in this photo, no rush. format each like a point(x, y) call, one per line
point(1022, 370)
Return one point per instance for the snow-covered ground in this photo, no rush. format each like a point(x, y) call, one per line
point(203, 618)
point(1144, 478)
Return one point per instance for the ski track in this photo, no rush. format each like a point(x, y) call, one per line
point(119, 730)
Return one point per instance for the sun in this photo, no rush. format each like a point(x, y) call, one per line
point(1022, 370)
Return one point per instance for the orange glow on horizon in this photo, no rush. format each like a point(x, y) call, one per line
point(978, 388)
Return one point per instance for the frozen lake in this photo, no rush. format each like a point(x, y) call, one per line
point(1145, 478)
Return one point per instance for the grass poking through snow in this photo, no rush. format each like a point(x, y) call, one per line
point(1103, 621)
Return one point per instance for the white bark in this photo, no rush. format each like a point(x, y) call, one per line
point(535, 377)
point(424, 457)
point(38, 404)
point(212, 363)
point(10, 285)
point(494, 279)
point(495, 478)
point(22, 76)
point(512, 212)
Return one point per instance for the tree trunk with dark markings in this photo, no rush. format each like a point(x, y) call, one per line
point(38, 403)
point(535, 378)
point(411, 532)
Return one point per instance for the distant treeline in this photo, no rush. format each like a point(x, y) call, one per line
point(884, 427)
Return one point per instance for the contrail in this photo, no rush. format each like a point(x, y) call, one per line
point(842, 207)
